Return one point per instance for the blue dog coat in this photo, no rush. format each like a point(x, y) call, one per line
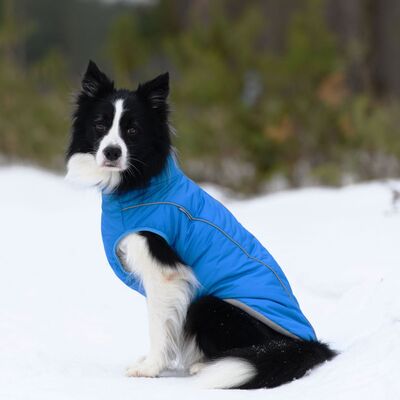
point(227, 260)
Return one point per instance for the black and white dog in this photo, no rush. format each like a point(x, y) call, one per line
point(120, 140)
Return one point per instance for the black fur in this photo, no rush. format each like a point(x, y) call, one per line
point(146, 111)
point(160, 250)
point(223, 330)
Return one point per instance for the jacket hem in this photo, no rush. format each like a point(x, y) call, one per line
point(261, 318)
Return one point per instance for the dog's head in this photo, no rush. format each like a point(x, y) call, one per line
point(120, 138)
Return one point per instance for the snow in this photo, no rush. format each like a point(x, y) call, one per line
point(69, 327)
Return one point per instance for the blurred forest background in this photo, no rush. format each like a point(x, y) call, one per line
point(265, 94)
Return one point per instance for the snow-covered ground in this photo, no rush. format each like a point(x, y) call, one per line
point(69, 327)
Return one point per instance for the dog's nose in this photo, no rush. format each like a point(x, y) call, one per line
point(112, 153)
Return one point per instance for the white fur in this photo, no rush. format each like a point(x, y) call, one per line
point(168, 292)
point(196, 368)
point(83, 169)
point(113, 138)
point(222, 374)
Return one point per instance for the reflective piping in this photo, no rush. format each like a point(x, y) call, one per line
point(187, 213)
point(261, 318)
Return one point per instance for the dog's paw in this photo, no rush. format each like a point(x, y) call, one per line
point(196, 368)
point(144, 368)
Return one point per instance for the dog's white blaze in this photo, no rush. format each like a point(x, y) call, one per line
point(169, 292)
point(113, 137)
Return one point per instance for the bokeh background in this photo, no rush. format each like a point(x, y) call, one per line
point(266, 94)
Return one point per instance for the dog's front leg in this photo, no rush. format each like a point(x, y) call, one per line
point(169, 287)
point(160, 311)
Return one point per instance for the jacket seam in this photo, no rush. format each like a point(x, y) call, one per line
point(192, 218)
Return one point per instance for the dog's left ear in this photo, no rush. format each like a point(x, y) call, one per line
point(156, 91)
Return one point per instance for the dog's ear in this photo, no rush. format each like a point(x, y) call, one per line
point(156, 91)
point(95, 82)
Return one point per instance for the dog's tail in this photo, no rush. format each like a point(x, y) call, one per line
point(262, 366)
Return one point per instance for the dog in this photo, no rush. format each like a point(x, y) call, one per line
point(219, 305)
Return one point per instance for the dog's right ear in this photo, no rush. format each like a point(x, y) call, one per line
point(95, 82)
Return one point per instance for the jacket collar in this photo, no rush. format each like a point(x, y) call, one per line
point(169, 173)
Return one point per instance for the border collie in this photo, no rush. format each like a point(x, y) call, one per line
point(219, 305)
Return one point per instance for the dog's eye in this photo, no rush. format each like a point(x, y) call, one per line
point(100, 128)
point(132, 130)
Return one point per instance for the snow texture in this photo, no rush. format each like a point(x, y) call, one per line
point(69, 327)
